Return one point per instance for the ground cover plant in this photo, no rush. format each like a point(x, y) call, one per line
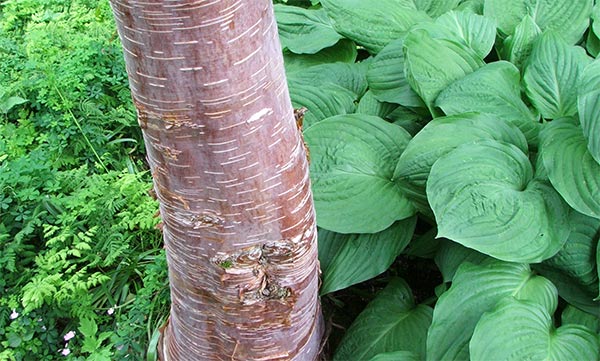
point(455, 162)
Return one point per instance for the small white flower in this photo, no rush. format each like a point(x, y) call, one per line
point(69, 336)
point(14, 314)
point(65, 352)
point(110, 311)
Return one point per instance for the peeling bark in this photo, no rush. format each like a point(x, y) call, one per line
point(231, 175)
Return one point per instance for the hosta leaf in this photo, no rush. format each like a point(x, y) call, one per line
point(439, 137)
point(570, 166)
point(551, 76)
point(494, 89)
point(433, 64)
point(386, 77)
point(589, 107)
point(592, 44)
point(596, 19)
point(484, 197)
point(573, 269)
point(396, 356)
point(352, 164)
point(322, 101)
point(522, 330)
point(450, 255)
point(569, 18)
point(436, 8)
point(391, 322)
point(368, 104)
point(573, 315)
point(373, 23)
point(477, 289)
point(347, 259)
point(518, 46)
point(343, 51)
point(304, 31)
point(425, 245)
point(475, 31)
point(350, 76)
point(474, 6)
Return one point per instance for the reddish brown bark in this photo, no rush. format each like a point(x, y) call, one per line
point(231, 176)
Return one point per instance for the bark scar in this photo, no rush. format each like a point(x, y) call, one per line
point(249, 270)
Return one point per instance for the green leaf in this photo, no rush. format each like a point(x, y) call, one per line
point(433, 64)
point(347, 259)
point(88, 327)
point(570, 166)
point(484, 197)
point(477, 289)
point(521, 330)
point(350, 76)
point(551, 76)
point(386, 77)
point(396, 356)
point(573, 269)
point(304, 31)
point(425, 245)
point(322, 101)
point(573, 315)
point(471, 30)
point(439, 137)
point(589, 107)
point(494, 89)
point(14, 340)
point(436, 8)
point(352, 164)
point(343, 51)
point(517, 47)
point(569, 18)
point(373, 23)
point(450, 255)
point(391, 322)
point(7, 104)
point(369, 105)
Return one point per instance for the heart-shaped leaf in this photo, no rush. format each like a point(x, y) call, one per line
point(517, 47)
point(304, 31)
point(373, 23)
point(433, 64)
point(450, 255)
point(436, 8)
point(589, 107)
point(570, 166)
point(551, 76)
point(569, 18)
point(522, 330)
point(472, 30)
point(343, 51)
point(352, 165)
point(350, 76)
point(484, 197)
point(439, 137)
point(477, 289)
point(368, 104)
point(386, 77)
point(391, 322)
point(347, 259)
point(573, 269)
point(494, 89)
point(573, 315)
point(322, 101)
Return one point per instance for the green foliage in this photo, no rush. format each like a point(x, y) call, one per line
point(77, 227)
point(481, 117)
point(453, 143)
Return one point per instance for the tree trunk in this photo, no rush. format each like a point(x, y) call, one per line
point(231, 176)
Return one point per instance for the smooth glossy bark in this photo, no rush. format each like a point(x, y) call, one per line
point(231, 176)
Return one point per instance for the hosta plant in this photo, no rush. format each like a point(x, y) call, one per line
point(478, 120)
